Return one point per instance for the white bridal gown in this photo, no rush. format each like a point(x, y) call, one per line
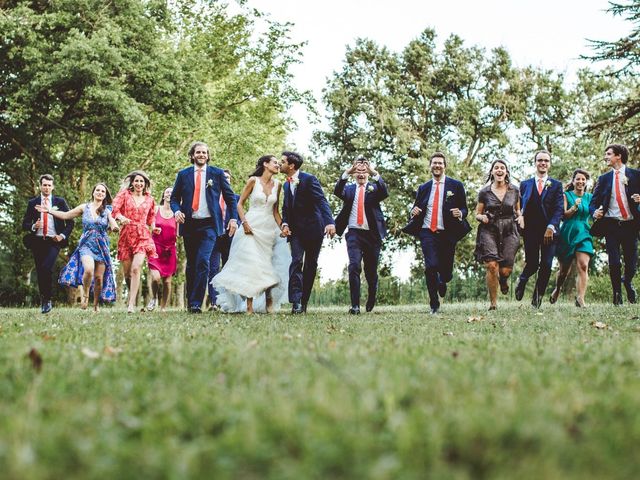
point(256, 262)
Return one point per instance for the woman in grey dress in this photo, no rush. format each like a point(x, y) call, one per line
point(498, 240)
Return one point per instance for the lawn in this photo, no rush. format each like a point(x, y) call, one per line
point(394, 394)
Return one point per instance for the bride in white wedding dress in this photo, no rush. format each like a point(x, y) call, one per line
point(256, 275)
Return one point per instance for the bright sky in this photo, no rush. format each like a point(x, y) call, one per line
point(545, 33)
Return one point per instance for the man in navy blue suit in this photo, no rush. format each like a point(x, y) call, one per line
point(195, 201)
point(46, 236)
point(306, 219)
point(614, 206)
point(438, 220)
point(361, 212)
point(542, 206)
point(220, 253)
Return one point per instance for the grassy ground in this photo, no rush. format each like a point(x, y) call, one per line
point(393, 394)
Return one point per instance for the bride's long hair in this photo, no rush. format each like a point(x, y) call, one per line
point(260, 165)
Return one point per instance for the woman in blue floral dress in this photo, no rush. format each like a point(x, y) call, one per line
point(90, 263)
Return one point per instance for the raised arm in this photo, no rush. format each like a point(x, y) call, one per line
point(62, 215)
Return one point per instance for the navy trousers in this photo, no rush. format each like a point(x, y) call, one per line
point(363, 248)
point(45, 252)
point(219, 256)
point(621, 235)
point(538, 257)
point(438, 250)
point(199, 241)
point(303, 268)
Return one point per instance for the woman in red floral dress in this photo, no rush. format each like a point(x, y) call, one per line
point(135, 209)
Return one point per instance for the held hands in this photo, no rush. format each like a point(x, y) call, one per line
point(599, 213)
point(520, 221)
point(179, 216)
point(482, 218)
point(548, 236)
point(330, 231)
point(285, 231)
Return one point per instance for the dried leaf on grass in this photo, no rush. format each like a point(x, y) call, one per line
point(112, 351)
point(472, 319)
point(600, 325)
point(87, 352)
point(36, 359)
point(46, 337)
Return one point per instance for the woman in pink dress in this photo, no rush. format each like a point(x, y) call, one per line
point(164, 237)
point(135, 209)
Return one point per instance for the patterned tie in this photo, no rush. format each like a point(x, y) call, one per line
point(539, 186)
point(623, 211)
point(360, 219)
point(436, 208)
point(223, 206)
point(195, 204)
point(45, 218)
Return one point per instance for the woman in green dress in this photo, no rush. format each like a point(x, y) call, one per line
point(575, 237)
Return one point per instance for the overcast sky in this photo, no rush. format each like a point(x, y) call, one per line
point(545, 33)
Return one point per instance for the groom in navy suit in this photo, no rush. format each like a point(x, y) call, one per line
point(306, 219)
point(438, 220)
point(542, 206)
point(361, 212)
point(614, 206)
point(195, 201)
point(46, 236)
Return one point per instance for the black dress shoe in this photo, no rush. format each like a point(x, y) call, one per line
point(536, 301)
point(504, 284)
point(297, 308)
point(46, 307)
point(617, 298)
point(195, 310)
point(434, 310)
point(442, 289)
point(355, 310)
point(631, 292)
point(520, 286)
point(370, 305)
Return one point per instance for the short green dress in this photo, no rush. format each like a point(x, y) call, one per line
point(574, 232)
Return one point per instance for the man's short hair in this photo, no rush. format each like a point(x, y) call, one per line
point(192, 150)
point(535, 155)
point(619, 149)
point(293, 158)
point(438, 155)
point(46, 176)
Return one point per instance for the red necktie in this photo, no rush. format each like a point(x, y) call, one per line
point(223, 206)
point(195, 204)
point(360, 219)
point(539, 186)
point(623, 211)
point(435, 209)
point(45, 218)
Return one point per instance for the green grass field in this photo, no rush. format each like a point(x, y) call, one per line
point(393, 394)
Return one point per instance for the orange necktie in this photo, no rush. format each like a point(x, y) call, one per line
point(539, 186)
point(45, 218)
point(623, 211)
point(360, 218)
point(195, 204)
point(435, 209)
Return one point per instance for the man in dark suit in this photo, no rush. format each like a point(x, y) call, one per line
point(438, 220)
point(361, 212)
point(542, 206)
point(614, 206)
point(306, 219)
point(46, 236)
point(195, 201)
point(220, 253)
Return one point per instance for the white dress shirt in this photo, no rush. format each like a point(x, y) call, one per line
point(427, 217)
point(353, 216)
point(51, 228)
point(203, 208)
point(614, 209)
point(293, 182)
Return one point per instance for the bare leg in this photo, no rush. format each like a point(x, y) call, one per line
point(97, 284)
point(563, 271)
point(492, 283)
point(250, 305)
point(88, 264)
point(135, 271)
point(166, 292)
point(269, 301)
point(156, 280)
point(582, 264)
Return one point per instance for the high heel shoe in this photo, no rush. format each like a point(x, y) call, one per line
point(493, 307)
point(131, 309)
point(580, 303)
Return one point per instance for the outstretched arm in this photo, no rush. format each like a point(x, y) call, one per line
point(68, 215)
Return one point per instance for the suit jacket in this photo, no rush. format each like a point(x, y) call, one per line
point(552, 200)
point(602, 196)
point(307, 211)
point(376, 193)
point(454, 197)
point(216, 183)
point(31, 216)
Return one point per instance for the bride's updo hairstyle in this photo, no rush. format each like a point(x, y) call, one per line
point(260, 165)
